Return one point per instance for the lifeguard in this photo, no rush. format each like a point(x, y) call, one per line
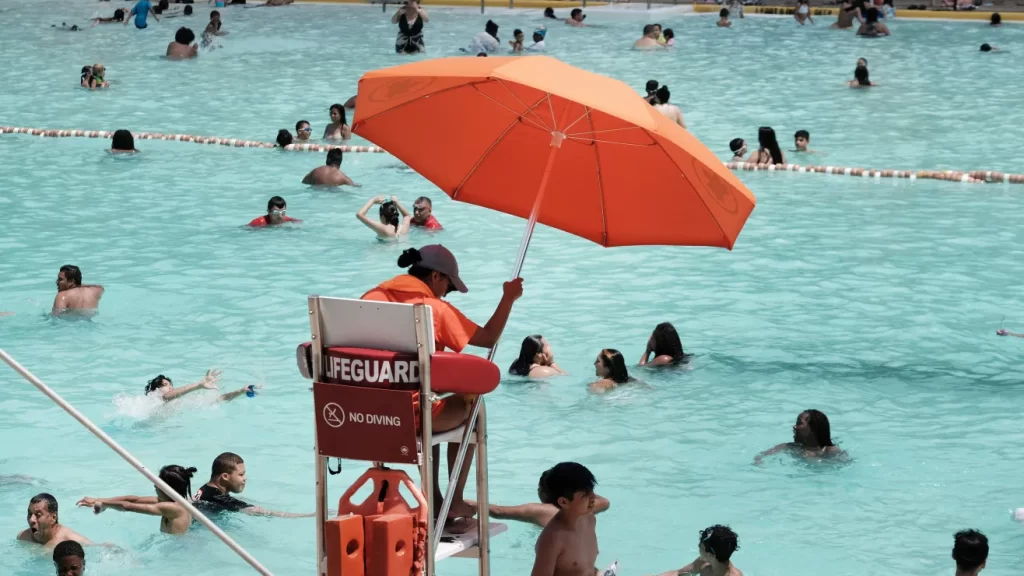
point(433, 274)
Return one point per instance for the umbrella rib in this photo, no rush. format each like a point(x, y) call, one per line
point(605, 130)
point(600, 188)
point(699, 196)
point(608, 142)
point(529, 109)
point(586, 114)
point(489, 148)
point(519, 116)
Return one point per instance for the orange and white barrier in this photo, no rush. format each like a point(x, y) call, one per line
point(973, 176)
point(238, 143)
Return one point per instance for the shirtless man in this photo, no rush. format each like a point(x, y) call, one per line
point(71, 294)
point(649, 41)
point(184, 46)
point(812, 437)
point(43, 527)
point(576, 18)
point(329, 174)
point(670, 110)
point(568, 544)
point(717, 544)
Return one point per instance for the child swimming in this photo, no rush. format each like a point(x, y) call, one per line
point(174, 518)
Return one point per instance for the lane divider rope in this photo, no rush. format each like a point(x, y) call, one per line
point(971, 176)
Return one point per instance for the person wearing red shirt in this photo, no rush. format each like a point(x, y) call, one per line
point(422, 214)
point(276, 209)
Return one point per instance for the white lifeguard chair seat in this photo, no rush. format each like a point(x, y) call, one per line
point(371, 324)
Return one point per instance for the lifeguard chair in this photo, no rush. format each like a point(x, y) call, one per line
point(371, 363)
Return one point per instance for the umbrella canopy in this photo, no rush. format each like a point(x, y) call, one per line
point(498, 132)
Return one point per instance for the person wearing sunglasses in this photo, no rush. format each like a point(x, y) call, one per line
point(277, 210)
point(433, 274)
point(303, 130)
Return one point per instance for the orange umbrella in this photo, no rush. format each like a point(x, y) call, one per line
point(540, 139)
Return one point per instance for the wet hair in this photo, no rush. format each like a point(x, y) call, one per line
point(86, 70)
point(156, 383)
point(389, 214)
point(996, 18)
point(986, 48)
point(72, 273)
point(575, 12)
point(334, 156)
point(766, 139)
point(549, 12)
point(341, 113)
point(284, 137)
point(822, 430)
point(612, 360)
point(482, 55)
point(424, 200)
point(119, 15)
point(274, 202)
point(871, 16)
point(663, 94)
point(651, 87)
point(648, 28)
point(188, 10)
point(723, 13)
point(300, 123)
point(225, 463)
point(163, 4)
point(861, 75)
point(532, 345)
point(668, 34)
point(564, 481)
point(184, 36)
point(491, 28)
point(736, 144)
point(51, 503)
point(122, 140)
point(517, 32)
point(178, 478)
point(214, 13)
point(802, 134)
point(68, 548)
point(970, 549)
point(667, 343)
point(720, 541)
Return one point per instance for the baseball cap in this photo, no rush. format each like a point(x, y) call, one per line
point(439, 259)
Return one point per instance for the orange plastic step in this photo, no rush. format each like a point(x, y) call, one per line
point(345, 539)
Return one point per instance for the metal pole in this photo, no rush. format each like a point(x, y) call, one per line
point(426, 436)
point(648, 4)
point(481, 6)
point(170, 492)
point(484, 521)
point(316, 358)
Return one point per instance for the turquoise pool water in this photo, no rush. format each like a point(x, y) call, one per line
point(874, 302)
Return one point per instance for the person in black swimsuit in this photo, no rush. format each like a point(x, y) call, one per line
point(410, 33)
point(227, 477)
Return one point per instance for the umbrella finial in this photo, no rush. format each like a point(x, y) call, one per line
point(556, 138)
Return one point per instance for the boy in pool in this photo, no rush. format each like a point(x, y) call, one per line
point(227, 476)
point(801, 139)
point(716, 546)
point(568, 543)
point(739, 150)
point(723, 18)
point(69, 558)
point(517, 43)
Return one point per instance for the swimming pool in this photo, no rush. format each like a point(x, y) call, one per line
point(874, 302)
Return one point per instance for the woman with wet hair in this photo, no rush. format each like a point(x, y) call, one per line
point(338, 129)
point(536, 359)
point(768, 151)
point(394, 218)
point(610, 368)
point(666, 347)
point(174, 518)
point(812, 438)
point(123, 141)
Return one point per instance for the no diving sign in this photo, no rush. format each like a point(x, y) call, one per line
point(365, 423)
point(334, 415)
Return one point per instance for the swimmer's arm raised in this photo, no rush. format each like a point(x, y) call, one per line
point(377, 227)
point(549, 548)
point(406, 217)
point(257, 511)
point(398, 13)
point(488, 335)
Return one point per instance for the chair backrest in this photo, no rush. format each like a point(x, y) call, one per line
point(370, 324)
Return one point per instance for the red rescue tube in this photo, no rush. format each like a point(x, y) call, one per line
point(450, 372)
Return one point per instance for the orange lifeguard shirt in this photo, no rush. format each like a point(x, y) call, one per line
point(452, 329)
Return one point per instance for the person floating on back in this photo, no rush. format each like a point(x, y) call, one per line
point(715, 548)
point(69, 558)
point(568, 543)
point(184, 46)
point(72, 295)
point(44, 526)
point(970, 551)
point(330, 174)
point(174, 518)
point(812, 438)
point(277, 214)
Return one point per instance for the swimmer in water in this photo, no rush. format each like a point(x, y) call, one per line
point(610, 368)
point(180, 49)
point(72, 294)
point(649, 41)
point(284, 138)
point(391, 225)
point(303, 130)
point(716, 546)
point(661, 37)
point(1002, 332)
point(227, 477)
point(996, 19)
point(174, 518)
point(768, 151)
point(538, 40)
point(666, 347)
point(576, 18)
point(423, 214)
point(848, 12)
point(540, 513)
point(536, 359)
point(989, 48)
point(669, 110)
point(861, 78)
point(970, 552)
point(162, 386)
point(739, 150)
point(517, 41)
point(568, 543)
point(123, 141)
point(69, 558)
point(213, 28)
point(43, 524)
point(329, 174)
point(872, 28)
point(338, 129)
point(723, 19)
point(670, 37)
point(802, 140)
point(652, 92)
point(119, 15)
point(549, 12)
point(95, 80)
point(812, 438)
point(803, 12)
point(141, 11)
point(277, 214)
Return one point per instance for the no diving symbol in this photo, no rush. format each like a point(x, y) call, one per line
point(334, 415)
